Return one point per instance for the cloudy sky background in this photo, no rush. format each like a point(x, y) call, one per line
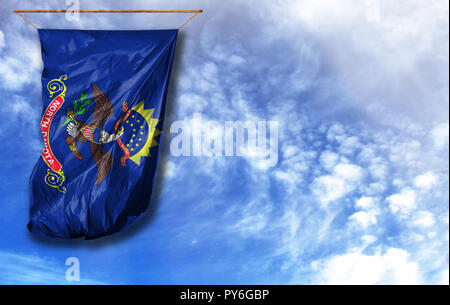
point(360, 192)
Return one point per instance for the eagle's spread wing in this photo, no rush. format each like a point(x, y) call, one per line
point(103, 107)
point(103, 160)
point(102, 111)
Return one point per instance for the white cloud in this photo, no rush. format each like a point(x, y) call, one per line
point(403, 202)
point(330, 188)
point(291, 179)
point(392, 267)
point(290, 151)
point(368, 239)
point(349, 145)
point(344, 179)
point(378, 168)
point(24, 116)
point(369, 213)
point(18, 69)
point(374, 188)
point(440, 135)
point(336, 133)
point(365, 218)
point(424, 219)
point(365, 203)
point(397, 37)
point(328, 159)
point(254, 218)
point(426, 180)
point(350, 172)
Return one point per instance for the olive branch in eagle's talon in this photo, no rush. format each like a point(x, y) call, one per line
point(78, 109)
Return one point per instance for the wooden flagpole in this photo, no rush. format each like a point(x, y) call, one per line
point(196, 12)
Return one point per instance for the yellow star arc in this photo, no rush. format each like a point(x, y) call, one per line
point(152, 132)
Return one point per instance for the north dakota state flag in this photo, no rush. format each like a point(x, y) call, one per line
point(104, 95)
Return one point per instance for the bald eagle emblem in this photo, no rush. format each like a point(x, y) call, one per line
point(137, 123)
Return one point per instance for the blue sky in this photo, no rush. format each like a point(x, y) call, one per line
point(360, 193)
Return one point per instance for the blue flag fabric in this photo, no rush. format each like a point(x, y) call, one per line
point(104, 95)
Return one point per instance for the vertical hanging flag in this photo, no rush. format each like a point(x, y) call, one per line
point(104, 95)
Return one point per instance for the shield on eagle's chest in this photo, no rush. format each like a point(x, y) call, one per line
point(104, 95)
